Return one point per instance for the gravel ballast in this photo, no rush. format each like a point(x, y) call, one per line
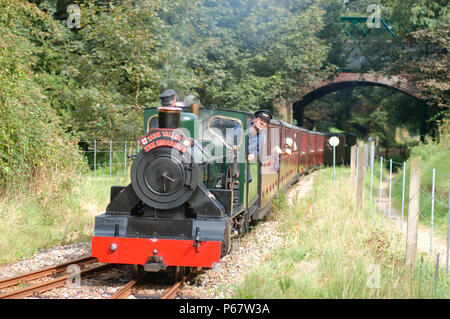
point(247, 252)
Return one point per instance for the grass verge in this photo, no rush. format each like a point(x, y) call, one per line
point(32, 222)
point(434, 155)
point(333, 250)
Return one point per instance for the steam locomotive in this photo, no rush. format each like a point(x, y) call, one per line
point(192, 188)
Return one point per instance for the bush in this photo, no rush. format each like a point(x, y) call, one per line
point(35, 152)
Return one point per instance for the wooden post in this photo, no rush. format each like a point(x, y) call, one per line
point(360, 181)
point(366, 156)
point(413, 211)
point(352, 166)
point(372, 162)
point(128, 166)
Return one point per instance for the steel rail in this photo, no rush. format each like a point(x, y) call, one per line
point(49, 285)
point(124, 292)
point(172, 291)
point(52, 270)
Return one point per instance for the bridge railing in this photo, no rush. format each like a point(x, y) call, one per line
point(367, 55)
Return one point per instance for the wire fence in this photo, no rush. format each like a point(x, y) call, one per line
point(109, 157)
point(388, 187)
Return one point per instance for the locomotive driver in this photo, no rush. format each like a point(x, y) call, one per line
point(168, 98)
point(256, 134)
point(259, 122)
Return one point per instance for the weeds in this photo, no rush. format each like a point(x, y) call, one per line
point(333, 250)
point(41, 220)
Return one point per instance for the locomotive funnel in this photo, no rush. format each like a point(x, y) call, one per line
point(169, 117)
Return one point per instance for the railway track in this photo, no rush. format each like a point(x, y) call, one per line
point(26, 285)
point(170, 293)
point(23, 283)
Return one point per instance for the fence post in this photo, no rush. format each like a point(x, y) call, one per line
point(357, 162)
point(413, 211)
point(381, 181)
point(373, 212)
point(390, 188)
point(366, 155)
point(432, 211)
point(128, 166)
point(448, 226)
point(403, 191)
point(95, 158)
point(360, 185)
point(436, 273)
point(125, 159)
point(352, 165)
point(110, 158)
point(372, 158)
point(334, 163)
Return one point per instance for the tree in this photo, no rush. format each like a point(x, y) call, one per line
point(428, 23)
point(248, 53)
point(34, 149)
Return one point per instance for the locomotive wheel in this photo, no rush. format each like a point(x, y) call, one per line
point(138, 273)
point(246, 224)
point(177, 273)
point(225, 245)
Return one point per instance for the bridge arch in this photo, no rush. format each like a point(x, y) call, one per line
point(346, 80)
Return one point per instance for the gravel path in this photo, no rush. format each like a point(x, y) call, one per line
point(423, 235)
point(247, 252)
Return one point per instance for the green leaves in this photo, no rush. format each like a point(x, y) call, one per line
point(33, 144)
point(230, 53)
point(248, 53)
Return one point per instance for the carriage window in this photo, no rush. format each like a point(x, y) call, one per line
point(275, 140)
point(227, 129)
point(287, 143)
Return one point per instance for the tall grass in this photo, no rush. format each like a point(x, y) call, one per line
point(32, 222)
point(333, 250)
point(435, 156)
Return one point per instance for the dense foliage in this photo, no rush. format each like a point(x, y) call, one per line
point(67, 75)
point(429, 26)
point(34, 149)
point(249, 53)
point(231, 54)
point(417, 48)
